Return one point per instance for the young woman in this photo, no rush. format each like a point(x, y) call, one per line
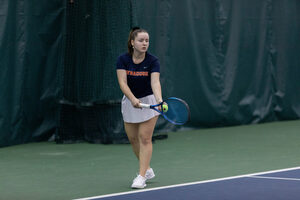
point(138, 75)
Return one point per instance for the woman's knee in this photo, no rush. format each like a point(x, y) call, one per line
point(145, 139)
point(133, 139)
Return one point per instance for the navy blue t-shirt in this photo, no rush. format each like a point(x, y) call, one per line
point(139, 75)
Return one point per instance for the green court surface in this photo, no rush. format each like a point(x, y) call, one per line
point(50, 171)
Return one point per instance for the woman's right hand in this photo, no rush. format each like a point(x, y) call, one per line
point(136, 103)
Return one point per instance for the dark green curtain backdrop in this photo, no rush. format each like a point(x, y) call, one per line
point(31, 42)
point(234, 62)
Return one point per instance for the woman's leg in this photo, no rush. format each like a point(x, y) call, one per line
point(132, 130)
point(145, 132)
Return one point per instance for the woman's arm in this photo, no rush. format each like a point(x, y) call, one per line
point(156, 87)
point(122, 79)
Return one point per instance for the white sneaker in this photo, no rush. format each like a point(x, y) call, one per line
point(149, 174)
point(139, 182)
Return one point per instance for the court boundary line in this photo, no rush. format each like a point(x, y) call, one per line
point(275, 178)
point(189, 183)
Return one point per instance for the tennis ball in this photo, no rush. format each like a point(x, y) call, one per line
point(165, 108)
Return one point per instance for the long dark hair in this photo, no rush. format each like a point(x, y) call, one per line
point(132, 35)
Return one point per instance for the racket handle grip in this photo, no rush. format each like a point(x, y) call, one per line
point(143, 105)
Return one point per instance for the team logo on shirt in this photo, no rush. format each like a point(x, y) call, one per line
point(134, 73)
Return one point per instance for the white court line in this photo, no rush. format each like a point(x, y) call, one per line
point(276, 178)
point(186, 184)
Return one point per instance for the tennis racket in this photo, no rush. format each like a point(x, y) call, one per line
point(178, 112)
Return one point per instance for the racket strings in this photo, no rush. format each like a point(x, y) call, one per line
point(178, 111)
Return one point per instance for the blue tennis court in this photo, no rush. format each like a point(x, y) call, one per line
point(281, 184)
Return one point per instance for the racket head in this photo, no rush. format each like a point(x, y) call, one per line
point(178, 111)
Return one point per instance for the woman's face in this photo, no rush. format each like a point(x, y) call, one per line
point(141, 42)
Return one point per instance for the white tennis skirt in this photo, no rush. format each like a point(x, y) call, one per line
point(138, 115)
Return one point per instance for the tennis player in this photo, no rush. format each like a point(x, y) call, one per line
point(138, 74)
